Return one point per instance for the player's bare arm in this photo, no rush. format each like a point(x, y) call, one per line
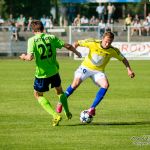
point(27, 57)
point(130, 72)
point(71, 48)
point(75, 44)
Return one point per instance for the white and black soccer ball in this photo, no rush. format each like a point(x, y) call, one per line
point(85, 117)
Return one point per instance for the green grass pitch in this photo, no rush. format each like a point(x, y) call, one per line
point(122, 120)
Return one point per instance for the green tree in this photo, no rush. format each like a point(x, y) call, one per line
point(35, 8)
point(2, 8)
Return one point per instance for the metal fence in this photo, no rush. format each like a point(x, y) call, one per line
point(69, 34)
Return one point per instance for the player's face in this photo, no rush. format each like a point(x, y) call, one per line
point(106, 42)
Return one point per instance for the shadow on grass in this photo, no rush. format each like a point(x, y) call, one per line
point(112, 123)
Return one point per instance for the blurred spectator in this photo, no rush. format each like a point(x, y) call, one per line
point(53, 13)
point(21, 22)
point(136, 18)
point(84, 22)
point(127, 21)
point(145, 26)
point(92, 21)
point(49, 23)
point(63, 14)
point(111, 9)
point(148, 18)
point(14, 31)
point(1, 21)
point(100, 10)
point(77, 22)
point(43, 20)
point(136, 27)
point(29, 23)
point(109, 25)
point(10, 20)
point(102, 27)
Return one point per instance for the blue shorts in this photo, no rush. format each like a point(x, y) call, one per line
point(42, 84)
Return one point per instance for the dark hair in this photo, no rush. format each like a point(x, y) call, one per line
point(37, 26)
point(109, 34)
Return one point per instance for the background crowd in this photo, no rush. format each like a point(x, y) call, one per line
point(104, 18)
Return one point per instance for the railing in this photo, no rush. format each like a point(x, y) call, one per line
point(69, 35)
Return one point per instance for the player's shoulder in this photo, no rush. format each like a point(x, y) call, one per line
point(50, 36)
point(115, 49)
point(31, 39)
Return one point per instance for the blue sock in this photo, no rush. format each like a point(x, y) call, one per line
point(99, 96)
point(69, 91)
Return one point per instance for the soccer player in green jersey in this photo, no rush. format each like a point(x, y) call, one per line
point(93, 66)
point(43, 47)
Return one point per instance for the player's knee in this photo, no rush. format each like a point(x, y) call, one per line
point(76, 83)
point(59, 90)
point(37, 94)
point(105, 85)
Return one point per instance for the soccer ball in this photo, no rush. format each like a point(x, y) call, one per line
point(85, 117)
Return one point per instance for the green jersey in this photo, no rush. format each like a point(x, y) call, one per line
point(43, 47)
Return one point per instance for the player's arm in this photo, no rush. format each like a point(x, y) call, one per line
point(30, 51)
point(130, 72)
point(27, 57)
point(76, 44)
point(73, 49)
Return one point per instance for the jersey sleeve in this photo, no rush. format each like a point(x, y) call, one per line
point(31, 45)
point(58, 43)
point(117, 54)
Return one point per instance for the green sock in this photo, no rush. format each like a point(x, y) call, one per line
point(63, 100)
point(47, 106)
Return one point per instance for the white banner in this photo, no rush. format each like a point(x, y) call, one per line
point(133, 50)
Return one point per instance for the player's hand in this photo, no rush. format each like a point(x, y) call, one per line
point(79, 54)
point(131, 74)
point(22, 56)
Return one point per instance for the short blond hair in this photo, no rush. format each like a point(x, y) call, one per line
point(109, 34)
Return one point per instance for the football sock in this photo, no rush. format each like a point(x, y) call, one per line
point(69, 91)
point(99, 96)
point(47, 106)
point(63, 100)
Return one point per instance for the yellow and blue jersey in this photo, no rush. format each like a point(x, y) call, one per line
point(98, 57)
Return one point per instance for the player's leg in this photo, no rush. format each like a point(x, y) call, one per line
point(62, 102)
point(76, 82)
point(40, 86)
point(56, 82)
point(101, 80)
point(44, 103)
point(80, 74)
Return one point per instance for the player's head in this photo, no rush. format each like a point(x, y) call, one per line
point(107, 39)
point(37, 26)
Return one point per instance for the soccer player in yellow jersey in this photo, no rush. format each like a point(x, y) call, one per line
point(93, 66)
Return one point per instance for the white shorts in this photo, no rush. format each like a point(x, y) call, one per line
point(84, 73)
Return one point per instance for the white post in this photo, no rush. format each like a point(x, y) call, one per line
point(70, 39)
point(128, 35)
